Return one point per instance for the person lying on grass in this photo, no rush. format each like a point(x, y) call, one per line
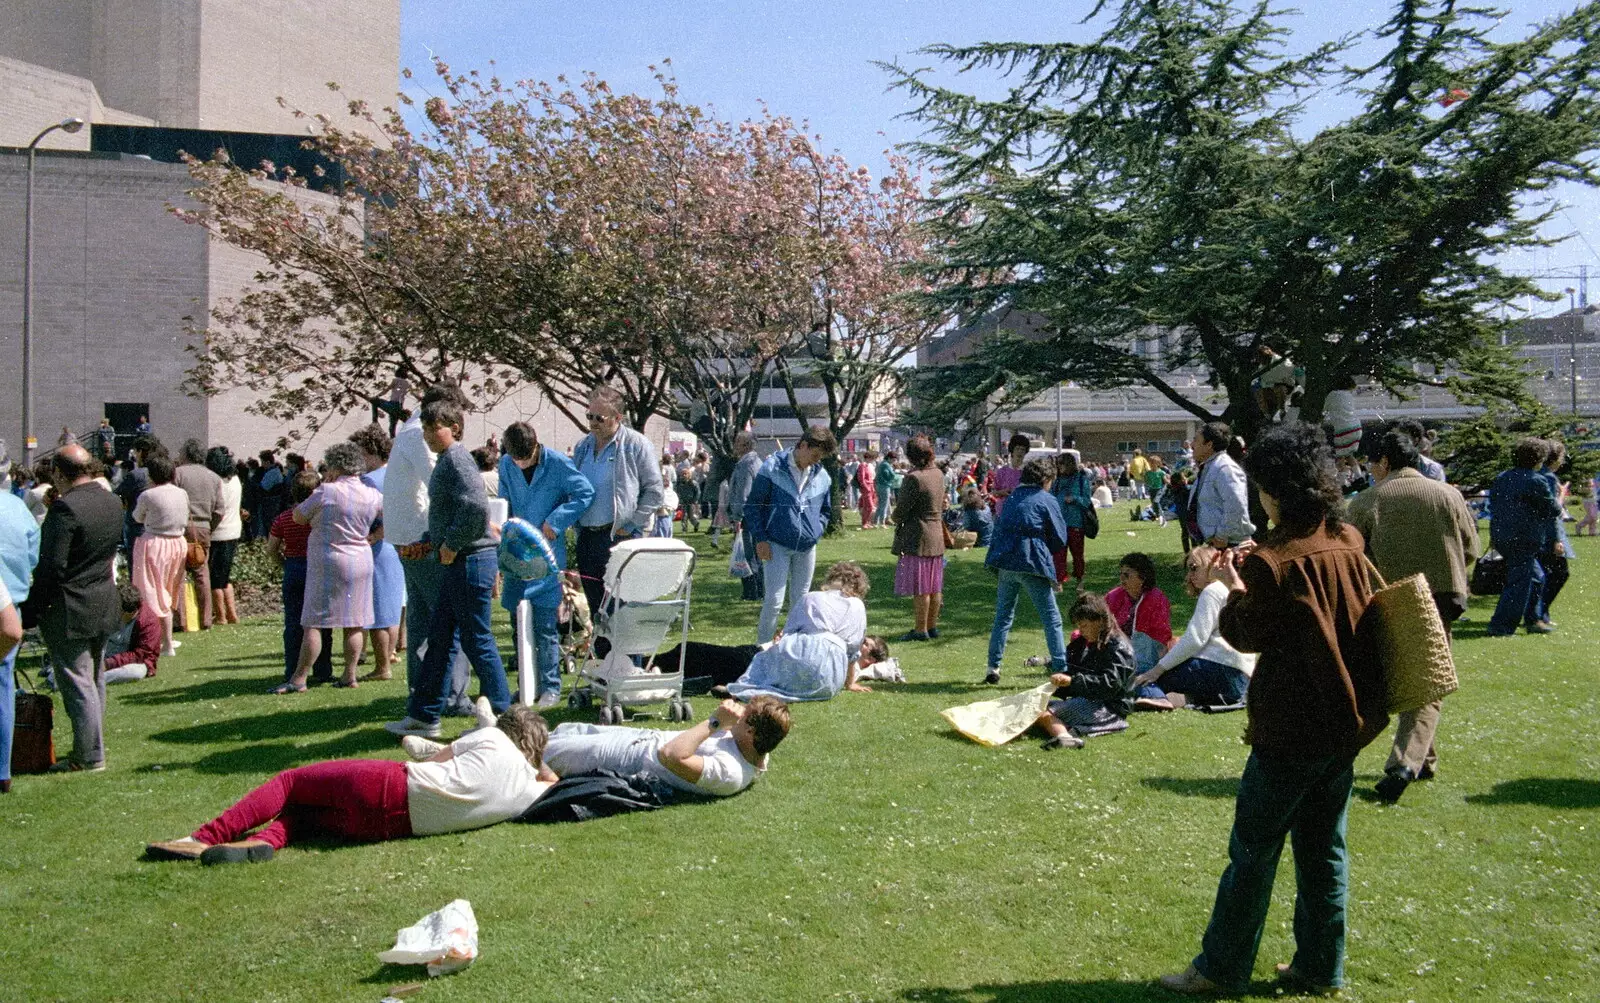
point(1095, 693)
point(821, 645)
point(725, 663)
point(720, 756)
point(486, 776)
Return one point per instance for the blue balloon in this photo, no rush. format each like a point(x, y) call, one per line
point(524, 552)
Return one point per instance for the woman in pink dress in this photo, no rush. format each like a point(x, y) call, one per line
point(865, 480)
point(341, 514)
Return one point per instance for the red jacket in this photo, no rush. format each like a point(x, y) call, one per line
point(145, 643)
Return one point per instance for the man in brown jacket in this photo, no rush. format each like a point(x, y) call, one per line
point(204, 489)
point(1413, 525)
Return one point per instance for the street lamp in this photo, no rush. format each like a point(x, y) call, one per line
point(68, 125)
point(1576, 322)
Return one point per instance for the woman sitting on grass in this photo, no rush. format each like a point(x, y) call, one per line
point(1202, 667)
point(1142, 611)
point(486, 776)
point(821, 646)
point(1095, 693)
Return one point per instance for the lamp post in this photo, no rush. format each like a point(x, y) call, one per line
point(68, 125)
point(1572, 361)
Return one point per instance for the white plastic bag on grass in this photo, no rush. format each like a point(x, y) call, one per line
point(445, 941)
point(996, 722)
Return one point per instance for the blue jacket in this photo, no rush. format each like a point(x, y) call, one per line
point(1077, 486)
point(1031, 529)
point(19, 546)
point(776, 512)
point(1522, 512)
point(557, 495)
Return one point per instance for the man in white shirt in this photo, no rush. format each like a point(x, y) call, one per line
point(405, 526)
point(720, 757)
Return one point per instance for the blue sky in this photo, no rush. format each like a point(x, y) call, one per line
point(814, 61)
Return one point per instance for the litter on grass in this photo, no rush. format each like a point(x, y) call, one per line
point(446, 941)
point(996, 722)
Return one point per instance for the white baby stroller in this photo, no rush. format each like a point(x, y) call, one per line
point(648, 582)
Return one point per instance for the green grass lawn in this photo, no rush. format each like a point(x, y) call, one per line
point(882, 857)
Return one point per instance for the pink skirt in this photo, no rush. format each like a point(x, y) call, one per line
point(919, 576)
point(158, 570)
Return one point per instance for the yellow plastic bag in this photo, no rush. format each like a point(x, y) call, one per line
point(191, 607)
point(996, 722)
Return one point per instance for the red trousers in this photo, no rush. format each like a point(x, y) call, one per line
point(1075, 546)
point(363, 800)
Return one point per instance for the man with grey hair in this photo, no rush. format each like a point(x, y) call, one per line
point(747, 463)
point(206, 510)
point(621, 464)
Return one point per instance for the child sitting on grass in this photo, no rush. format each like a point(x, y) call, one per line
point(1095, 693)
point(483, 777)
point(133, 651)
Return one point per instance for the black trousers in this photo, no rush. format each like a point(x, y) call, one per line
point(724, 663)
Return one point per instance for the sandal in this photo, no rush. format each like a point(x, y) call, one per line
point(346, 684)
point(378, 676)
point(283, 689)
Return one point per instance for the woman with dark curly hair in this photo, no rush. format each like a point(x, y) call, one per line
point(341, 513)
point(1316, 698)
point(225, 537)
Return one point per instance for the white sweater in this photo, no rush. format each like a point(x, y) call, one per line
point(1202, 639)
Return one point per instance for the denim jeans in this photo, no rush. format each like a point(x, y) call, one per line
point(1524, 579)
point(1043, 596)
point(1202, 681)
point(546, 649)
point(423, 577)
point(8, 711)
point(1307, 800)
point(788, 573)
point(1554, 567)
point(294, 602)
point(881, 516)
point(464, 604)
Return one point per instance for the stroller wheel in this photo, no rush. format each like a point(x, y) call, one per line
point(574, 701)
point(685, 710)
point(675, 711)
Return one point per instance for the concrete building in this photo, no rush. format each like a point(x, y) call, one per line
point(1106, 423)
point(117, 277)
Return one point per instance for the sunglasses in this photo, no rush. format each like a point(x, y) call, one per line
point(600, 417)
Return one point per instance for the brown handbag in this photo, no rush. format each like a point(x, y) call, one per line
point(196, 555)
point(33, 745)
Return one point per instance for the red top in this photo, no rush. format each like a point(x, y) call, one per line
point(1155, 613)
point(293, 534)
point(144, 643)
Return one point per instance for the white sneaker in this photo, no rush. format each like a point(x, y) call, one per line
point(548, 700)
point(419, 748)
point(411, 726)
point(484, 712)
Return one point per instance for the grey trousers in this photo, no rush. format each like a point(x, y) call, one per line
point(80, 673)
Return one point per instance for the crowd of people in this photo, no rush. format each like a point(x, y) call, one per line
point(390, 540)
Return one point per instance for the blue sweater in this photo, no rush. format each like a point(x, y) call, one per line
point(1077, 486)
point(1522, 512)
point(557, 495)
point(1031, 529)
point(777, 512)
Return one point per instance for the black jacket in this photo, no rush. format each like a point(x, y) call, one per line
point(74, 595)
point(1104, 673)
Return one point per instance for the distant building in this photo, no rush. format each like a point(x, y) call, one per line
point(117, 278)
point(1104, 423)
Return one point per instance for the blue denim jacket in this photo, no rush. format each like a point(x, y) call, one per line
point(1031, 529)
point(1522, 512)
point(19, 546)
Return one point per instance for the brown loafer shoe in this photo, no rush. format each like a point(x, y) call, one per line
point(1189, 983)
point(187, 848)
point(252, 851)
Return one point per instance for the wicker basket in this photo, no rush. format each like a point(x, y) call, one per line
point(1411, 642)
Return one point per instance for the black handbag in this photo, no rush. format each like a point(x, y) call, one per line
point(1489, 575)
point(1091, 522)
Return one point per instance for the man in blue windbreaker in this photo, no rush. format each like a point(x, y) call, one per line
point(543, 488)
point(786, 514)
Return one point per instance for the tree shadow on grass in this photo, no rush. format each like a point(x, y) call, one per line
point(1551, 792)
point(305, 721)
point(1087, 991)
point(260, 757)
point(1195, 787)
